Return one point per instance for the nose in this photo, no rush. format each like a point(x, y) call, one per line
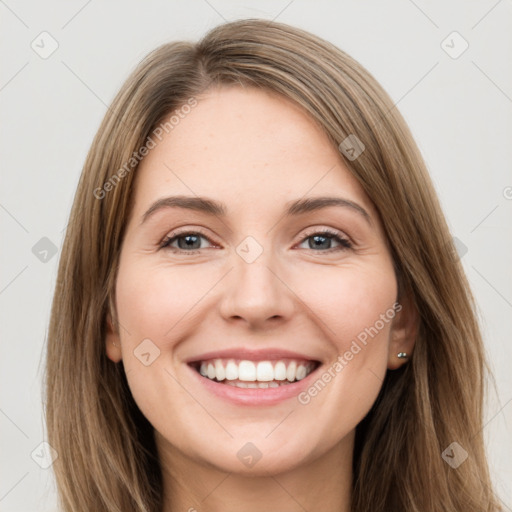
point(257, 293)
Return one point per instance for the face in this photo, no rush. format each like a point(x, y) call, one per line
point(261, 326)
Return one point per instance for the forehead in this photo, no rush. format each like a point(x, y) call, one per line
point(248, 148)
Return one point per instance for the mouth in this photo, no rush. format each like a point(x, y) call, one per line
point(247, 373)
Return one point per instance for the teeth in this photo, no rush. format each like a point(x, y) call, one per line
point(280, 371)
point(240, 384)
point(260, 374)
point(301, 372)
point(220, 373)
point(265, 371)
point(290, 371)
point(246, 371)
point(231, 370)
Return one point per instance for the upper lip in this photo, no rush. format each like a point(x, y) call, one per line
point(251, 355)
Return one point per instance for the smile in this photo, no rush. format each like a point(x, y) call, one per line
point(244, 373)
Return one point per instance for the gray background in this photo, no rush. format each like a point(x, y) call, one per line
point(458, 105)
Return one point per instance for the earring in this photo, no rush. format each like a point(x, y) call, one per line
point(402, 355)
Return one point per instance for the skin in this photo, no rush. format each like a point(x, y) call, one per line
point(254, 152)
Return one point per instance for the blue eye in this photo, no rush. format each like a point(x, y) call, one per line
point(189, 242)
point(322, 238)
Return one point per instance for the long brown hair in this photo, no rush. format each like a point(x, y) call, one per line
point(107, 454)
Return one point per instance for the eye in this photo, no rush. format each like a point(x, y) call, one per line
point(188, 242)
point(323, 240)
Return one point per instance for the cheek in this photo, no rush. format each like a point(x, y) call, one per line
point(350, 301)
point(156, 303)
point(359, 309)
point(355, 306)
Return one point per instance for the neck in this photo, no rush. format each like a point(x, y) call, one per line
point(322, 484)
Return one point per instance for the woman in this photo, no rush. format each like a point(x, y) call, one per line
point(259, 305)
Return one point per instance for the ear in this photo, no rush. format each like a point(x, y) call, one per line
point(112, 341)
point(404, 330)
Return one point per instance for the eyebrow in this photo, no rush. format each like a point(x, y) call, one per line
point(216, 208)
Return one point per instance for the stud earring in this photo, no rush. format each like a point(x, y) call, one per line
point(402, 355)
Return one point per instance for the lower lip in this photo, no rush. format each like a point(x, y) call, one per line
point(255, 396)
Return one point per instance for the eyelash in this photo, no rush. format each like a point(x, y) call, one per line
point(332, 235)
